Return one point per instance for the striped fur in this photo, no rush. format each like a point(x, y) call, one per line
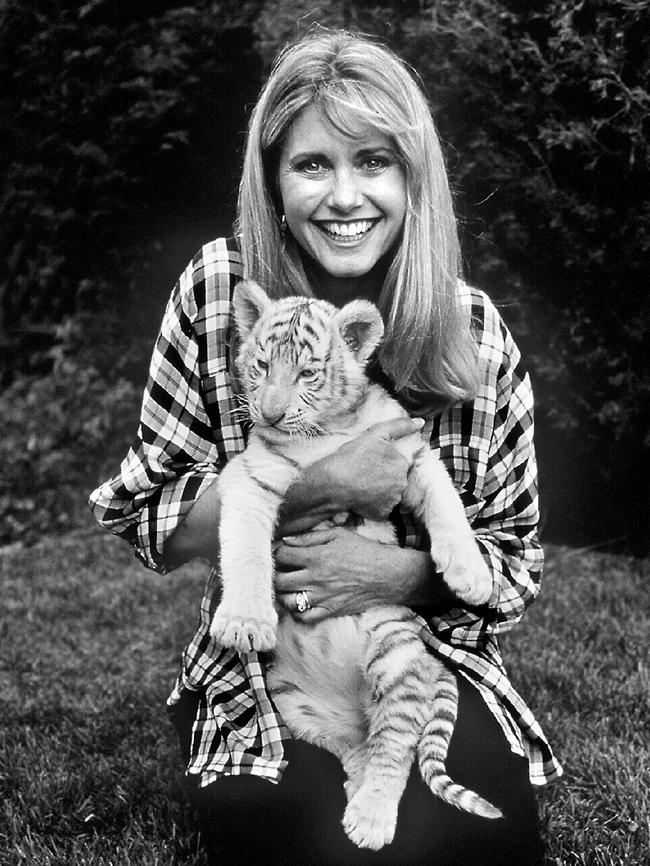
point(364, 687)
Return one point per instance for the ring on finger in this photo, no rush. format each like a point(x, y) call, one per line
point(302, 601)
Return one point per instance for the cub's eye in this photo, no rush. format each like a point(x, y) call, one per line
point(308, 373)
point(262, 366)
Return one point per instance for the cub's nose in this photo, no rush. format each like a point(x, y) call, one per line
point(274, 404)
point(272, 414)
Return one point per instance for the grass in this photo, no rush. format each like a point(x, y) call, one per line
point(89, 646)
point(582, 660)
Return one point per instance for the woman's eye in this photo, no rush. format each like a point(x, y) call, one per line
point(374, 163)
point(310, 166)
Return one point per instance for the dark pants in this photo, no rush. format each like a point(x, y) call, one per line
point(246, 820)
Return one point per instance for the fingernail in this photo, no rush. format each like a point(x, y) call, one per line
point(419, 421)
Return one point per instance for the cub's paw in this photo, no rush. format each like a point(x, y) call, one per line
point(243, 630)
point(370, 819)
point(465, 571)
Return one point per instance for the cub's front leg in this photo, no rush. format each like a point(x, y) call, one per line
point(432, 495)
point(246, 618)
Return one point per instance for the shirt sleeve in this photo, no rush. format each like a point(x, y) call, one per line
point(175, 457)
point(498, 482)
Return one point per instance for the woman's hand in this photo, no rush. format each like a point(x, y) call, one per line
point(346, 573)
point(366, 476)
point(340, 570)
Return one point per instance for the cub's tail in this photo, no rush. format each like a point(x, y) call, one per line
point(432, 752)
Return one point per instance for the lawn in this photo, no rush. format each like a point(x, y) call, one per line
point(89, 646)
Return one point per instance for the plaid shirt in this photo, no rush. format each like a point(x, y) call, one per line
point(188, 432)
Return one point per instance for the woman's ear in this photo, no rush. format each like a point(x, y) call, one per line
point(250, 301)
point(361, 327)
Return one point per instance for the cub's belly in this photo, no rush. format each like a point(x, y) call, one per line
point(317, 683)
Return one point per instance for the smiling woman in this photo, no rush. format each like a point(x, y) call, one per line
point(344, 199)
point(343, 195)
point(360, 95)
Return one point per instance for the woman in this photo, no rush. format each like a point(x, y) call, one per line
point(344, 194)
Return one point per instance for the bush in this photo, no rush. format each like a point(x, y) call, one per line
point(544, 108)
point(120, 142)
point(547, 107)
point(61, 432)
point(120, 136)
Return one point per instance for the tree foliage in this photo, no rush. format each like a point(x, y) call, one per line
point(122, 124)
point(121, 127)
point(123, 131)
point(59, 432)
point(547, 105)
point(544, 108)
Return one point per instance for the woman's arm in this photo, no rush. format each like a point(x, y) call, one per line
point(346, 573)
point(196, 535)
point(181, 442)
point(499, 487)
point(366, 476)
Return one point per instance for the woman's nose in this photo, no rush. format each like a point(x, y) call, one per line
point(345, 194)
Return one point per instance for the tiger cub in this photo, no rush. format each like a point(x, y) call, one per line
point(363, 687)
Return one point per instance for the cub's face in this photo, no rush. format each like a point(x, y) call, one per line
point(292, 367)
point(302, 360)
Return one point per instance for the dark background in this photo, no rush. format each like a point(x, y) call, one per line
point(123, 126)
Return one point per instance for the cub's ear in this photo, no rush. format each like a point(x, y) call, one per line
point(361, 327)
point(249, 303)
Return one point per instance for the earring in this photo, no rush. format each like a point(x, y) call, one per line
point(283, 224)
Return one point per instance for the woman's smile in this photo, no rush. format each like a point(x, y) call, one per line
point(347, 232)
point(344, 199)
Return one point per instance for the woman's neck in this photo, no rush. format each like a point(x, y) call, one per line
point(341, 290)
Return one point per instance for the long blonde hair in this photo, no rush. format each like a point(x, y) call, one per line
point(428, 350)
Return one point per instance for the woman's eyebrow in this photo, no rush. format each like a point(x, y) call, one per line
point(367, 150)
point(374, 149)
point(306, 154)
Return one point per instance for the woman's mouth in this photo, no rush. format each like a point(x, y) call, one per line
point(346, 231)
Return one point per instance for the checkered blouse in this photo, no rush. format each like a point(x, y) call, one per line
point(188, 432)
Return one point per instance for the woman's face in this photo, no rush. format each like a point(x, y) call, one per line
point(344, 200)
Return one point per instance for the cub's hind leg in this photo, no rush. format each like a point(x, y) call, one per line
point(395, 722)
point(354, 764)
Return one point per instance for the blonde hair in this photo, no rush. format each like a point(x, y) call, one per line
point(428, 350)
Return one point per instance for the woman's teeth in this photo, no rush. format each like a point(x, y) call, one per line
point(348, 230)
